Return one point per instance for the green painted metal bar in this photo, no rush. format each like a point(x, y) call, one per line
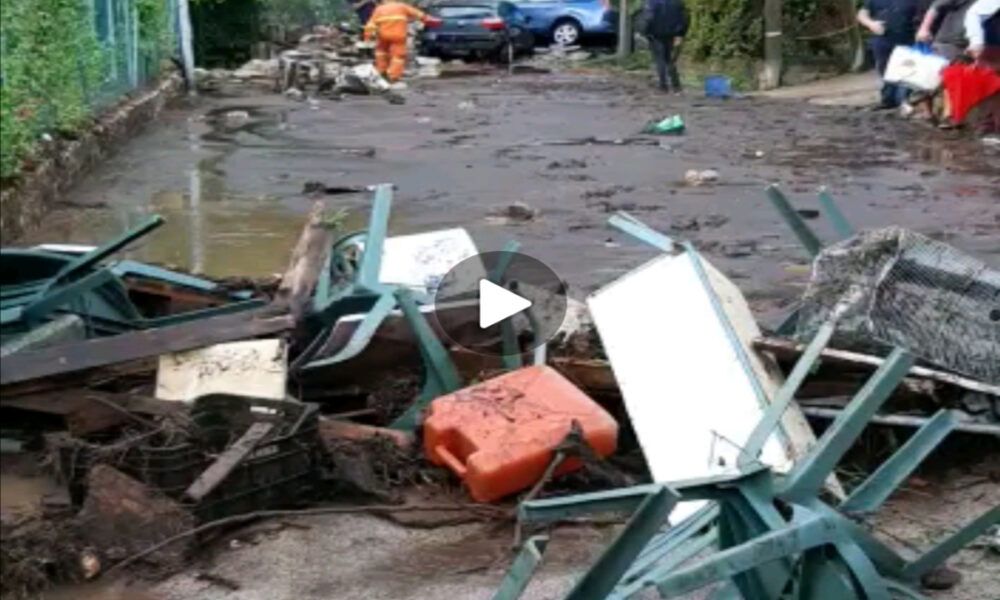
point(616, 559)
point(100, 253)
point(362, 336)
point(378, 229)
point(670, 561)
point(664, 544)
point(799, 227)
point(632, 226)
point(862, 570)
point(840, 224)
point(875, 490)
point(952, 544)
point(550, 510)
point(132, 268)
point(69, 292)
point(888, 561)
point(506, 256)
point(785, 395)
point(723, 565)
point(806, 478)
point(519, 575)
point(440, 372)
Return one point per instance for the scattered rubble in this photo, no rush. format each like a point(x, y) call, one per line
point(186, 406)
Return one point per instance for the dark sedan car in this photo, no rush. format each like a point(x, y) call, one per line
point(481, 29)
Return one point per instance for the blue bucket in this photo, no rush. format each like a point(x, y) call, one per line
point(718, 86)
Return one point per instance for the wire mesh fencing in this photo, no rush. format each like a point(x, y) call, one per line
point(912, 291)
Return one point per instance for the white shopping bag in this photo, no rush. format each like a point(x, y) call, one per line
point(915, 68)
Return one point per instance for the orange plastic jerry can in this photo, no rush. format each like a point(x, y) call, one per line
point(500, 435)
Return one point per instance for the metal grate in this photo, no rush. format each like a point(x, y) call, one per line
point(908, 290)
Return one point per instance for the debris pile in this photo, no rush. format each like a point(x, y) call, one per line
point(171, 406)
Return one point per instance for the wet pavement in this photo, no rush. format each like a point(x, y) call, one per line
point(228, 171)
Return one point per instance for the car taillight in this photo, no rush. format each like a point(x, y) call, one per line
point(432, 22)
point(493, 23)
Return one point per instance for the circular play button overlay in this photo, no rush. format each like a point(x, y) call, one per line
point(493, 293)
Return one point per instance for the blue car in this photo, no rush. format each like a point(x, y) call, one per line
point(566, 22)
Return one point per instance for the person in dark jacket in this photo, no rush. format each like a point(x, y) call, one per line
point(893, 23)
point(666, 25)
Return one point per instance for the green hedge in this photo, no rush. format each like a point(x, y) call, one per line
point(56, 70)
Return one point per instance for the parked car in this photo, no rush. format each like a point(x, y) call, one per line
point(480, 28)
point(566, 22)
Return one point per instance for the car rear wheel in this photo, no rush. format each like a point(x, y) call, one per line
point(566, 33)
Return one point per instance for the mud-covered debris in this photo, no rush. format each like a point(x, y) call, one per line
point(516, 212)
point(122, 516)
point(712, 221)
point(38, 553)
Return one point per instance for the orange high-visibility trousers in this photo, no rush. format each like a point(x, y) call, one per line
point(388, 24)
point(390, 58)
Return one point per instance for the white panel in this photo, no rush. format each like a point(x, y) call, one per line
point(255, 368)
point(419, 261)
point(688, 395)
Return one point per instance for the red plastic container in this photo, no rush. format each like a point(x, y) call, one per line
point(500, 435)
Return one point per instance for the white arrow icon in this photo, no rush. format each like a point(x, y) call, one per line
point(496, 303)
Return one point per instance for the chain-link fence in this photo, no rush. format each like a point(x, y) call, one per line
point(909, 290)
point(63, 60)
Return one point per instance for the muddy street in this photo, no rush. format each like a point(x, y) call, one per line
point(227, 171)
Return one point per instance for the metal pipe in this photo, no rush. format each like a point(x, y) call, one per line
point(903, 420)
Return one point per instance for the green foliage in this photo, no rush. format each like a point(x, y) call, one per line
point(56, 70)
point(722, 29)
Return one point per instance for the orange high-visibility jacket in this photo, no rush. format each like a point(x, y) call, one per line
point(389, 21)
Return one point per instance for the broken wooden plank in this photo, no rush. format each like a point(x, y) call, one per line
point(332, 431)
point(790, 349)
point(217, 472)
point(80, 356)
point(66, 402)
point(308, 257)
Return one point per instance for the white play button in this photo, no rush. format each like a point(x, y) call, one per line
point(496, 303)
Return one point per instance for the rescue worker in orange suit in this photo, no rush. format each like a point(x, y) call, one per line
point(390, 25)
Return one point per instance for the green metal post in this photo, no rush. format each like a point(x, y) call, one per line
point(551, 510)
point(875, 490)
point(952, 544)
point(799, 227)
point(499, 270)
point(616, 559)
point(785, 394)
point(378, 229)
point(840, 223)
point(626, 223)
point(728, 563)
point(519, 574)
point(806, 478)
point(56, 297)
point(439, 370)
point(98, 254)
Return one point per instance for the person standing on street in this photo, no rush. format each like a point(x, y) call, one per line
point(389, 24)
point(893, 23)
point(666, 25)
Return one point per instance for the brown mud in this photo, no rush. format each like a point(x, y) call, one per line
point(227, 171)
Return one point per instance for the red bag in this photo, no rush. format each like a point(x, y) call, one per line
point(967, 86)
